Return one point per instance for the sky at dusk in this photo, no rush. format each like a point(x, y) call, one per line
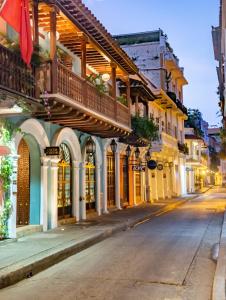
point(187, 24)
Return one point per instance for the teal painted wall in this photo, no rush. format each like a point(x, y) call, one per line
point(35, 179)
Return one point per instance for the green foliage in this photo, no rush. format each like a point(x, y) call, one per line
point(98, 82)
point(4, 217)
point(122, 99)
point(214, 159)
point(145, 128)
point(7, 130)
point(193, 121)
point(6, 171)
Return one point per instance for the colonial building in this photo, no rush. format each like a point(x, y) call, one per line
point(156, 60)
point(70, 113)
point(197, 161)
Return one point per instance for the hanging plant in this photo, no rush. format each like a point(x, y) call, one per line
point(145, 128)
point(98, 82)
point(4, 217)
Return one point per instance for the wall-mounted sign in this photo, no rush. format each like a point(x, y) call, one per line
point(151, 164)
point(52, 151)
point(160, 167)
point(138, 168)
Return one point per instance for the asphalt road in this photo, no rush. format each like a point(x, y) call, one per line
point(168, 257)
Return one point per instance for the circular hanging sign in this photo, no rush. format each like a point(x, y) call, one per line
point(151, 164)
point(160, 167)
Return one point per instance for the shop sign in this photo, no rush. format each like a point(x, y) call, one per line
point(160, 167)
point(151, 164)
point(138, 168)
point(52, 150)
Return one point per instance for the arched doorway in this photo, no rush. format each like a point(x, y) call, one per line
point(110, 179)
point(90, 174)
point(64, 183)
point(23, 185)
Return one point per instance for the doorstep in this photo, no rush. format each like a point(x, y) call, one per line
point(28, 230)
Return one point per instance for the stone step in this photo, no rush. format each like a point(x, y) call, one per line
point(27, 230)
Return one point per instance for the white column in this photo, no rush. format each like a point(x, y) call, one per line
point(13, 198)
point(104, 160)
point(192, 175)
point(44, 193)
point(154, 188)
point(98, 188)
point(174, 180)
point(82, 200)
point(160, 184)
point(168, 183)
point(53, 193)
point(117, 179)
point(75, 190)
point(148, 184)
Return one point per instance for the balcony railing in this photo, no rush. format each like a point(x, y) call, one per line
point(83, 92)
point(15, 77)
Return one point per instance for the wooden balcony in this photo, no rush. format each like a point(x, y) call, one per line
point(15, 77)
point(78, 104)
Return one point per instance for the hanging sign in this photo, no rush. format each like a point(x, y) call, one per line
point(52, 150)
point(160, 167)
point(138, 168)
point(152, 164)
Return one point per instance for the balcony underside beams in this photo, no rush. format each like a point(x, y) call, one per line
point(83, 120)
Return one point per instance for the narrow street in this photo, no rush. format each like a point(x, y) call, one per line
point(168, 257)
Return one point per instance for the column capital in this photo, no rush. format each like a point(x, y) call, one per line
point(76, 163)
point(44, 161)
point(54, 163)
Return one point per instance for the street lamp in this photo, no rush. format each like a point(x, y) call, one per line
point(113, 146)
point(128, 151)
point(148, 155)
point(90, 146)
point(137, 153)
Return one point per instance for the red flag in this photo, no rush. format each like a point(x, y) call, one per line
point(16, 14)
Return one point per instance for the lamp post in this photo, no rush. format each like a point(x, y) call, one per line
point(90, 146)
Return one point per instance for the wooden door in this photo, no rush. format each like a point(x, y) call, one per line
point(23, 185)
point(111, 180)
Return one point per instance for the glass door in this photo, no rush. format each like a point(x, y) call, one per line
point(90, 182)
point(64, 184)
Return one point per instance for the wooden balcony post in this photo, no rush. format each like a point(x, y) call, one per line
point(83, 55)
point(53, 53)
point(35, 23)
point(113, 79)
point(36, 44)
point(137, 106)
point(128, 96)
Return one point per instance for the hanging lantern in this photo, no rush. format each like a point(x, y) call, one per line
point(113, 146)
point(90, 146)
point(128, 151)
point(137, 153)
point(148, 155)
point(105, 77)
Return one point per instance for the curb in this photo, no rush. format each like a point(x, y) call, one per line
point(47, 258)
point(218, 291)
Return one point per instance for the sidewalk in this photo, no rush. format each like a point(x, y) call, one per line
point(34, 253)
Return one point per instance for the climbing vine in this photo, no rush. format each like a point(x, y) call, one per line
point(7, 131)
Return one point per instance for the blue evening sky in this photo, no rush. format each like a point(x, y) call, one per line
point(187, 24)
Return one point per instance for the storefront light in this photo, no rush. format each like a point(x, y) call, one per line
point(113, 146)
point(137, 153)
point(128, 151)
